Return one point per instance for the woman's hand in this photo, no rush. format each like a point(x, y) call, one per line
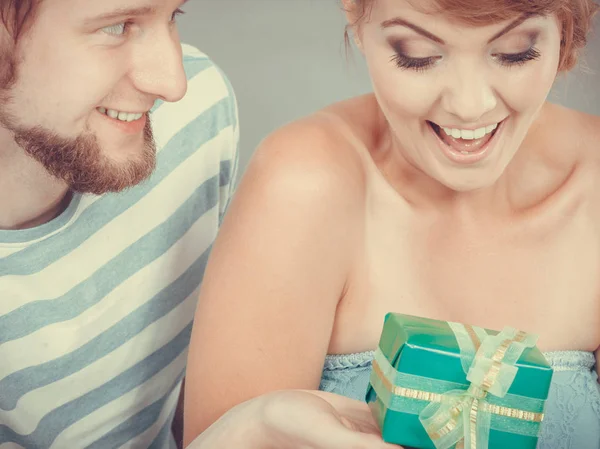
point(295, 420)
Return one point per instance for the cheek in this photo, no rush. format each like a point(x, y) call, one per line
point(65, 86)
point(528, 89)
point(401, 93)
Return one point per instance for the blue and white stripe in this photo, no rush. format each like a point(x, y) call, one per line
point(96, 306)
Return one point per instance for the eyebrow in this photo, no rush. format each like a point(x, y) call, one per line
point(120, 13)
point(397, 21)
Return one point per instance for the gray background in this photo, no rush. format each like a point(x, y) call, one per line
point(286, 58)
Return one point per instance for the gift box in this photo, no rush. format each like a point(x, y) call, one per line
point(440, 385)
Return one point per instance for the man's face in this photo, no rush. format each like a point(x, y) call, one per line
point(87, 73)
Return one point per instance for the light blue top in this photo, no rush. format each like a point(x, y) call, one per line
point(572, 415)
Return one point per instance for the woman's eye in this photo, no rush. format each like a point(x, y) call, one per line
point(505, 59)
point(116, 30)
point(517, 59)
point(417, 64)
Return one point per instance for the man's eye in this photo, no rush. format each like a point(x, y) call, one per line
point(178, 12)
point(116, 30)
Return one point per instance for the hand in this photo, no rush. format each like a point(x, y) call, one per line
point(295, 420)
point(318, 420)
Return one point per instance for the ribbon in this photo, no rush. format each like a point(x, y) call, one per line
point(459, 416)
point(489, 362)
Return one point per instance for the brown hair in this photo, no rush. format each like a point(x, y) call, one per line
point(16, 15)
point(575, 16)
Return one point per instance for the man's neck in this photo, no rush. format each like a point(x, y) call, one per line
point(29, 195)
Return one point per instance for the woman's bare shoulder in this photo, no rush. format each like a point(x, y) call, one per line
point(574, 131)
point(575, 137)
point(324, 147)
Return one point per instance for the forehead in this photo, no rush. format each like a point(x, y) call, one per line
point(465, 12)
point(454, 19)
point(91, 8)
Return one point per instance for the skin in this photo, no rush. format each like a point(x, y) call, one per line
point(293, 420)
point(354, 212)
point(70, 63)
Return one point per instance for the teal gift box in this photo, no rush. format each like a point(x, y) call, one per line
point(440, 385)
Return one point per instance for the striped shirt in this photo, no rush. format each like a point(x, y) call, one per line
point(96, 306)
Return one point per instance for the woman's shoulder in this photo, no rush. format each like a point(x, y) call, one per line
point(323, 150)
point(573, 131)
point(339, 129)
point(574, 137)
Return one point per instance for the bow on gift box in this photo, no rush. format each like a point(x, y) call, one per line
point(462, 417)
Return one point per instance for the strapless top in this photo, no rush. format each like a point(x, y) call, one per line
point(571, 417)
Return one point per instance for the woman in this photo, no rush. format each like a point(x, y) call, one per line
point(454, 191)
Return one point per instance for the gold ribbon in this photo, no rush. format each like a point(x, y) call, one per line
point(462, 417)
point(427, 396)
point(466, 415)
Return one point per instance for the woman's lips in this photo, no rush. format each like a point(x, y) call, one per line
point(465, 151)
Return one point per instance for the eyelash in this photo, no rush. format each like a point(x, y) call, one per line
point(507, 60)
point(178, 12)
point(416, 64)
point(125, 25)
point(519, 59)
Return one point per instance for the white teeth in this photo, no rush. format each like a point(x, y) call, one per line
point(119, 115)
point(466, 134)
point(469, 134)
point(479, 133)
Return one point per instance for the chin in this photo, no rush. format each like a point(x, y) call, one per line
point(465, 182)
point(124, 149)
point(110, 176)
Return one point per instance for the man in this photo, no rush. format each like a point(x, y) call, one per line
point(113, 181)
point(117, 162)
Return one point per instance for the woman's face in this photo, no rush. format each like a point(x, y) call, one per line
point(459, 99)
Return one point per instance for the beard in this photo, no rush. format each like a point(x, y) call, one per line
point(80, 161)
